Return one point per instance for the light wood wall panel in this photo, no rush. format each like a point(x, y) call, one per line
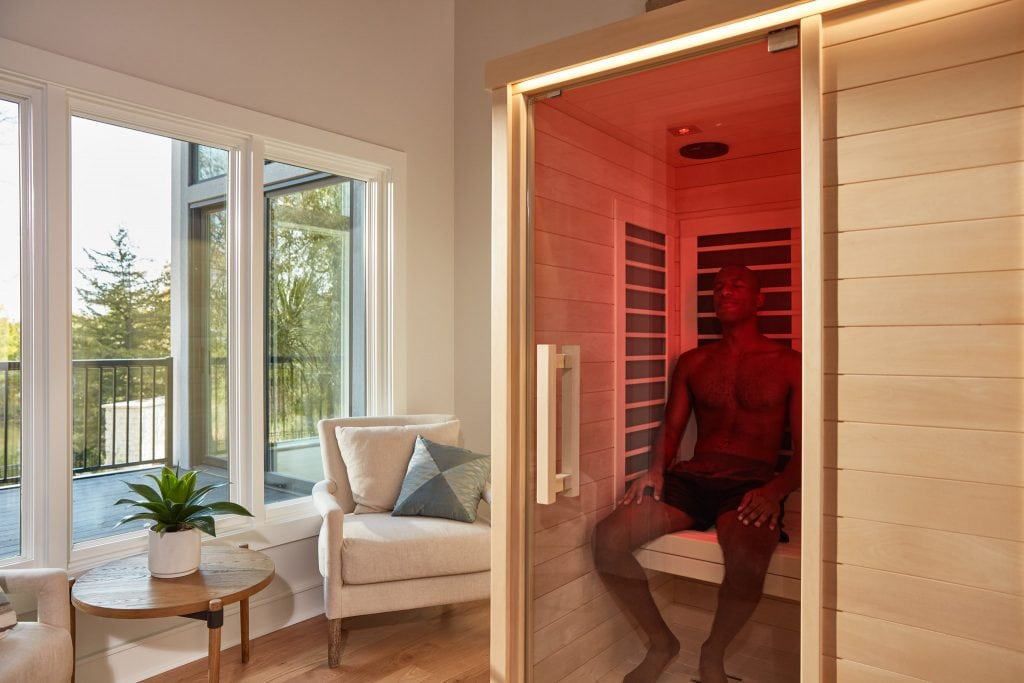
point(974, 613)
point(958, 454)
point(919, 654)
point(961, 195)
point(960, 38)
point(958, 247)
point(924, 310)
point(979, 140)
point(989, 85)
point(987, 510)
point(995, 298)
point(961, 402)
point(940, 351)
point(966, 559)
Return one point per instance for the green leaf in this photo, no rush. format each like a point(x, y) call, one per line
point(224, 507)
point(145, 491)
point(137, 515)
point(204, 524)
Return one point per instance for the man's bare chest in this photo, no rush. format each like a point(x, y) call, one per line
point(756, 383)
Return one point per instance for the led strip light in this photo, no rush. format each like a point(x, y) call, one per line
point(682, 43)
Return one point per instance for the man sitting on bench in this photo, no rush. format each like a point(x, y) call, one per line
point(742, 390)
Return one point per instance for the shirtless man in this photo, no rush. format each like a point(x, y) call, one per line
point(743, 390)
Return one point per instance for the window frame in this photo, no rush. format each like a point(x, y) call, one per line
point(57, 88)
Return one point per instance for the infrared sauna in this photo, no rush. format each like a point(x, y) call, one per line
point(643, 187)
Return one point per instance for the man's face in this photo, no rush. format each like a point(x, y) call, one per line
point(736, 294)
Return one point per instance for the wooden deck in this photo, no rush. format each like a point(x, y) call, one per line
point(94, 511)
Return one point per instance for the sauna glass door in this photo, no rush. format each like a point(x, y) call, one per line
point(642, 188)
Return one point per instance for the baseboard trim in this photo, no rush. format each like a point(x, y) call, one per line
point(161, 652)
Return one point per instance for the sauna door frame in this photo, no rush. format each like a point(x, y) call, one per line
point(511, 312)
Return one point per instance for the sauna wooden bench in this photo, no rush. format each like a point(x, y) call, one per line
point(697, 555)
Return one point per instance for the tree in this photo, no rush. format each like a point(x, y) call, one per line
point(128, 315)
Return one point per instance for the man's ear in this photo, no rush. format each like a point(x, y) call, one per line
point(760, 300)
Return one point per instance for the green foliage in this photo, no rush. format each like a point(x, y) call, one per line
point(128, 314)
point(176, 504)
point(10, 338)
point(307, 294)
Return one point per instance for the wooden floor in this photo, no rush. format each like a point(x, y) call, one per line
point(431, 644)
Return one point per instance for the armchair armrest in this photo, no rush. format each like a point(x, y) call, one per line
point(51, 588)
point(331, 532)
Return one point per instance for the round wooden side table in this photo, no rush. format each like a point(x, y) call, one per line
point(124, 589)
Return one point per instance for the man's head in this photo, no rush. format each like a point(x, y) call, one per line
point(737, 294)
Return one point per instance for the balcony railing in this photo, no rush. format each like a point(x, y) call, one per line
point(122, 410)
point(122, 413)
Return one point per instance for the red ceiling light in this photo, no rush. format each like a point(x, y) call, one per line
point(679, 131)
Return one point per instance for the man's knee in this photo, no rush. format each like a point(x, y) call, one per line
point(611, 544)
point(748, 551)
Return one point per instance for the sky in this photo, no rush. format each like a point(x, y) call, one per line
point(119, 177)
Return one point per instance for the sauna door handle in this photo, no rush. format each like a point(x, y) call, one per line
point(550, 481)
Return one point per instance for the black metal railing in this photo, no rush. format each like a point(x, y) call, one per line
point(121, 413)
point(122, 409)
point(10, 460)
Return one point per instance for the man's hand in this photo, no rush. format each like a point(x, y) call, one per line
point(635, 490)
point(759, 507)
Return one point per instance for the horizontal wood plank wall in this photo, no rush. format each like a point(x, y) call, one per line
point(924, 529)
point(579, 175)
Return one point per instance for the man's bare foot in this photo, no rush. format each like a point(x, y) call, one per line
point(663, 650)
point(712, 666)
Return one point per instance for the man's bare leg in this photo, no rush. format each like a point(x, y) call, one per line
point(747, 551)
point(615, 539)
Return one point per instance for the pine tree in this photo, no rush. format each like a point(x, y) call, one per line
point(127, 314)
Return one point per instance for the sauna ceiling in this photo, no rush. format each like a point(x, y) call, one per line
point(745, 97)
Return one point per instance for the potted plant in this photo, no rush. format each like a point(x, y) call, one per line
point(179, 515)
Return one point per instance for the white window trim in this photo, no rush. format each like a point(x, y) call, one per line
point(56, 88)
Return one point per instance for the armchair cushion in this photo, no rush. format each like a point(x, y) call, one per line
point(378, 548)
point(377, 457)
point(443, 481)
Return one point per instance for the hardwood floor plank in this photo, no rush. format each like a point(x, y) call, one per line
point(437, 644)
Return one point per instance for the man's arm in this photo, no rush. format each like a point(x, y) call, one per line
point(762, 505)
point(677, 414)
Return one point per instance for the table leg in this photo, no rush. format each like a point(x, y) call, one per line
point(214, 621)
point(243, 611)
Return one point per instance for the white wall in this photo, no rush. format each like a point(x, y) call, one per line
point(379, 71)
point(376, 70)
point(485, 30)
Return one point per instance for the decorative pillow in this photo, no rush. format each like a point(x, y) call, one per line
point(443, 481)
point(376, 459)
point(8, 619)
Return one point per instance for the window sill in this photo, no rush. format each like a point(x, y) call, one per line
point(285, 523)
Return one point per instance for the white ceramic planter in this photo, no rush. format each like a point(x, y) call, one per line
point(174, 553)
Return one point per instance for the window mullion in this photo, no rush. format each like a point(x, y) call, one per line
point(48, 350)
point(250, 258)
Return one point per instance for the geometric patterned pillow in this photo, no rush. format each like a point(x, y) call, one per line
point(443, 481)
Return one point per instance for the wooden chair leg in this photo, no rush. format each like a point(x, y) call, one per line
point(333, 643)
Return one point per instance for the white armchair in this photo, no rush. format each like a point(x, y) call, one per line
point(42, 650)
point(378, 563)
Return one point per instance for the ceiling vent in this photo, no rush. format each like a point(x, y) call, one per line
point(704, 150)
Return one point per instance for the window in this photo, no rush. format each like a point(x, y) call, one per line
point(315, 317)
point(149, 320)
point(10, 330)
point(209, 304)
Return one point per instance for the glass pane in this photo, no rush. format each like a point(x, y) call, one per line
point(315, 318)
point(208, 162)
point(10, 331)
point(149, 324)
